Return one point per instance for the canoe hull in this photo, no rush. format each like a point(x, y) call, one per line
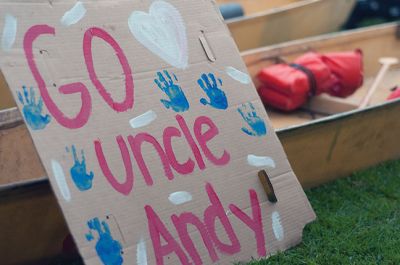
point(289, 23)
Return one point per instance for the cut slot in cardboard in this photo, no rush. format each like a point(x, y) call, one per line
point(151, 148)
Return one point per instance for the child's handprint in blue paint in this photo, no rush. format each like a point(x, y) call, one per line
point(177, 99)
point(81, 178)
point(33, 111)
point(257, 125)
point(217, 97)
point(108, 249)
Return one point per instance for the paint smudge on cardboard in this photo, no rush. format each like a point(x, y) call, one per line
point(143, 119)
point(277, 226)
point(180, 197)
point(74, 15)
point(238, 75)
point(260, 161)
point(61, 181)
point(141, 253)
point(9, 32)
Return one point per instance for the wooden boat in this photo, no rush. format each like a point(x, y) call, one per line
point(270, 22)
point(320, 147)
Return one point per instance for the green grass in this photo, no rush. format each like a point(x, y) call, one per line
point(358, 221)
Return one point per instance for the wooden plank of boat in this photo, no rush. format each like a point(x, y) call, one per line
point(255, 6)
point(319, 150)
point(18, 158)
point(6, 100)
point(289, 22)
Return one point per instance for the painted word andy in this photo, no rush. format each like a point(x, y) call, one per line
point(164, 243)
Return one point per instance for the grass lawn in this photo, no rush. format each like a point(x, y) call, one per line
point(358, 221)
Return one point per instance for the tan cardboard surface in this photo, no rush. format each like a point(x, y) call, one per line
point(147, 174)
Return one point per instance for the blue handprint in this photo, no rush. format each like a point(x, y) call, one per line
point(217, 97)
point(108, 249)
point(256, 124)
point(177, 99)
point(33, 111)
point(81, 178)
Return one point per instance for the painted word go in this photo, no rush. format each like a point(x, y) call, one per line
point(72, 88)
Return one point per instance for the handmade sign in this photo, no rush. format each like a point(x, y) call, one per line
point(150, 130)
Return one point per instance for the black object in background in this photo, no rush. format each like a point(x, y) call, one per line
point(369, 12)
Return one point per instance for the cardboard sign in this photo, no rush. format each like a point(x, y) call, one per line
point(150, 130)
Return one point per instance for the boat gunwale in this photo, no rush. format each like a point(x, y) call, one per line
point(270, 11)
point(338, 116)
point(335, 37)
point(8, 190)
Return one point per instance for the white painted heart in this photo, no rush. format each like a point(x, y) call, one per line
point(162, 31)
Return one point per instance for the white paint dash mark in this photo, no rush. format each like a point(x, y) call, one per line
point(9, 32)
point(277, 226)
point(72, 16)
point(143, 120)
point(180, 197)
point(260, 161)
point(238, 75)
point(59, 175)
point(141, 253)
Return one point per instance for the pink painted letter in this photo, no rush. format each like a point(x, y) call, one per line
point(254, 223)
point(87, 52)
point(203, 138)
point(157, 230)
point(86, 103)
point(126, 187)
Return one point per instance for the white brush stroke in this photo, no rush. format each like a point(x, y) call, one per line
point(9, 32)
point(180, 197)
point(260, 161)
point(72, 16)
point(277, 226)
point(59, 176)
point(238, 75)
point(141, 253)
point(143, 119)
point(162, 31)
